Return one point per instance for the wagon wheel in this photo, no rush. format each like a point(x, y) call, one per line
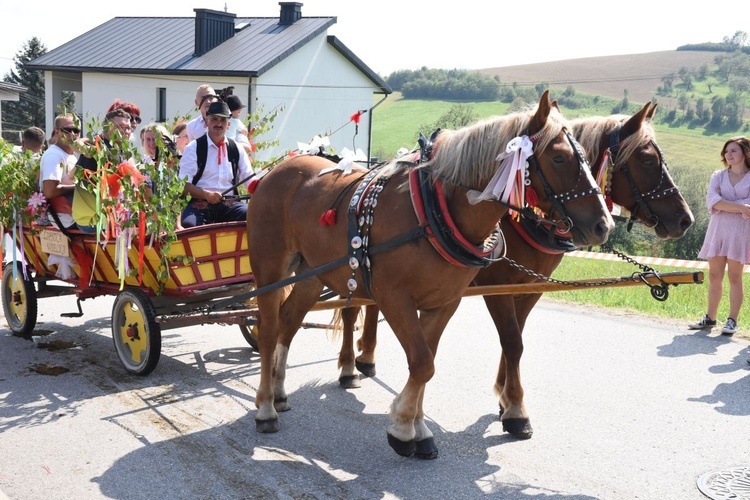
point(19, 300)
point(136, 334)
point(251, 335)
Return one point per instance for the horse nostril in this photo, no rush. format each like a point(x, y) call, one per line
point(602, 229)
point(686, 222)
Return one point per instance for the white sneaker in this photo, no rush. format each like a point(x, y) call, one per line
point(704, 322)
point(730, 327)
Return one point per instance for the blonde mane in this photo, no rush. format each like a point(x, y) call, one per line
point(589, 131)
point(468, 156)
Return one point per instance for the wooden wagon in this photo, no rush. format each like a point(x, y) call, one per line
point(204, 264)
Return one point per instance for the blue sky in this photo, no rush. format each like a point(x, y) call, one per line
point(389, 35)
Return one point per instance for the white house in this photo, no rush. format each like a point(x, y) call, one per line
point(288, 62)
point(9, 92)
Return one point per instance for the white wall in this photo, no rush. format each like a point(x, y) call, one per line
point(320, 90)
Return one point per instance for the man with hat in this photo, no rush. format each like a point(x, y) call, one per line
point(212, 166)
point(237, 129)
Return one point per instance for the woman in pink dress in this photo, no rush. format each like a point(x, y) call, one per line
point(727, 242)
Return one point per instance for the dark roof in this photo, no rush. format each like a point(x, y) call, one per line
point(12, 87)
point(165, 45)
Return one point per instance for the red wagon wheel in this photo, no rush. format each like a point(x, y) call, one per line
point(19, 300)
point(135, 332)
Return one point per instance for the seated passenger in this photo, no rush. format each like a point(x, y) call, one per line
point(212, 165)
point(56, 170)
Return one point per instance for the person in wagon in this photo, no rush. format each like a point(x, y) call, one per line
point(224, 165)
point(56, 170)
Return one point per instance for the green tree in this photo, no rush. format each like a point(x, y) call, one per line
point(29, 109)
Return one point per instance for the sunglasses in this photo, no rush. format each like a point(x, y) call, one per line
point(71, 130)
point(136, 119)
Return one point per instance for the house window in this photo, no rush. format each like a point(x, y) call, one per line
point(161, 104)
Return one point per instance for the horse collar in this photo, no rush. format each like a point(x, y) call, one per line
point(431, 209)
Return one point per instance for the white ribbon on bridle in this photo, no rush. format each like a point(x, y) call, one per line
point(502, 184)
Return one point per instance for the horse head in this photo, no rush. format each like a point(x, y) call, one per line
point(639, 179)
point(560, 182)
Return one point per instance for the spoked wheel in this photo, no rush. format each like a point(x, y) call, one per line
point(250, 333)
point(136, 334)
point(19, 300)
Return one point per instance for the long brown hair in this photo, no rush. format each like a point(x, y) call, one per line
point(744, 144)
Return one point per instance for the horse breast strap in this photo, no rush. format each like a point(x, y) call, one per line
point(431, 209)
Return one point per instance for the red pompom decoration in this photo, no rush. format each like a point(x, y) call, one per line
point(252, 185)
point(608, 202)
point(328, 218)
point(531, 197)
point(356, 117)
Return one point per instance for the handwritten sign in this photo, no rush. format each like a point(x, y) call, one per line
point(55, 243)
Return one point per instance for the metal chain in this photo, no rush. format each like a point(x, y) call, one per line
point(659, 292)
point(541, 277)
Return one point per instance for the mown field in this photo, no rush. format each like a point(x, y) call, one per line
point(692, 156)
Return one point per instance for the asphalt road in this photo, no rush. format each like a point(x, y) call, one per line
point(622, 407)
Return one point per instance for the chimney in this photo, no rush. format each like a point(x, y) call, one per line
point(212, 28)
point(290, 13)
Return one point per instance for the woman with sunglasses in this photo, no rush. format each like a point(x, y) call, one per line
point(56, 170)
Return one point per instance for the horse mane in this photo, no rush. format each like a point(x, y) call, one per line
point(588, 132)
point(468, 156)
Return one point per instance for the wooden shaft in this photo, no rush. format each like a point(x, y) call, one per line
point(678, 278)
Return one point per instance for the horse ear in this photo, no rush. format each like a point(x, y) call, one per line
point(634, 122)
point(554, 105)
point(652, 111)
point(539, 120)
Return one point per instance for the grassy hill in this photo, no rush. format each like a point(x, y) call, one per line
point(608, 76)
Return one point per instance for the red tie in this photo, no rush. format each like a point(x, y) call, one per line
point(220, 146)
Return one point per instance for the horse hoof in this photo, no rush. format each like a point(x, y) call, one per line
point(366, 369)
point(518, 427)
point(350, 382)
point(426, 449)
point(281, 405)
point(267, 426)
point(403, 448)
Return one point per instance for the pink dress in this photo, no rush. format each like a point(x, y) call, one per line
point(728, 234)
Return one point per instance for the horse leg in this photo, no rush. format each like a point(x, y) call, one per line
point(409, 434)
point(347, 378)
point(303, 297)
point(508, 386)
point(267, 420)
point(365, 362)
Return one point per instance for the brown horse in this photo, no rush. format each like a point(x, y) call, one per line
point(416, 288)
point(638, 181)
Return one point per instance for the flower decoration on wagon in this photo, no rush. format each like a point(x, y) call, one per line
point(129, 199)
point(21, 203)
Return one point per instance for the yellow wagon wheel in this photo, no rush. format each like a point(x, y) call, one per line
point(136, 334)
point(250, 334)
point(19, 300)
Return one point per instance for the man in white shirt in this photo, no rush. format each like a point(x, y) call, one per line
point(207, 185)
point(204, 96)
point(56, 169)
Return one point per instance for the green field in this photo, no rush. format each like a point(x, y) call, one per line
point(691, 154)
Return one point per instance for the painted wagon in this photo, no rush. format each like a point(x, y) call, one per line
point(171, 288)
